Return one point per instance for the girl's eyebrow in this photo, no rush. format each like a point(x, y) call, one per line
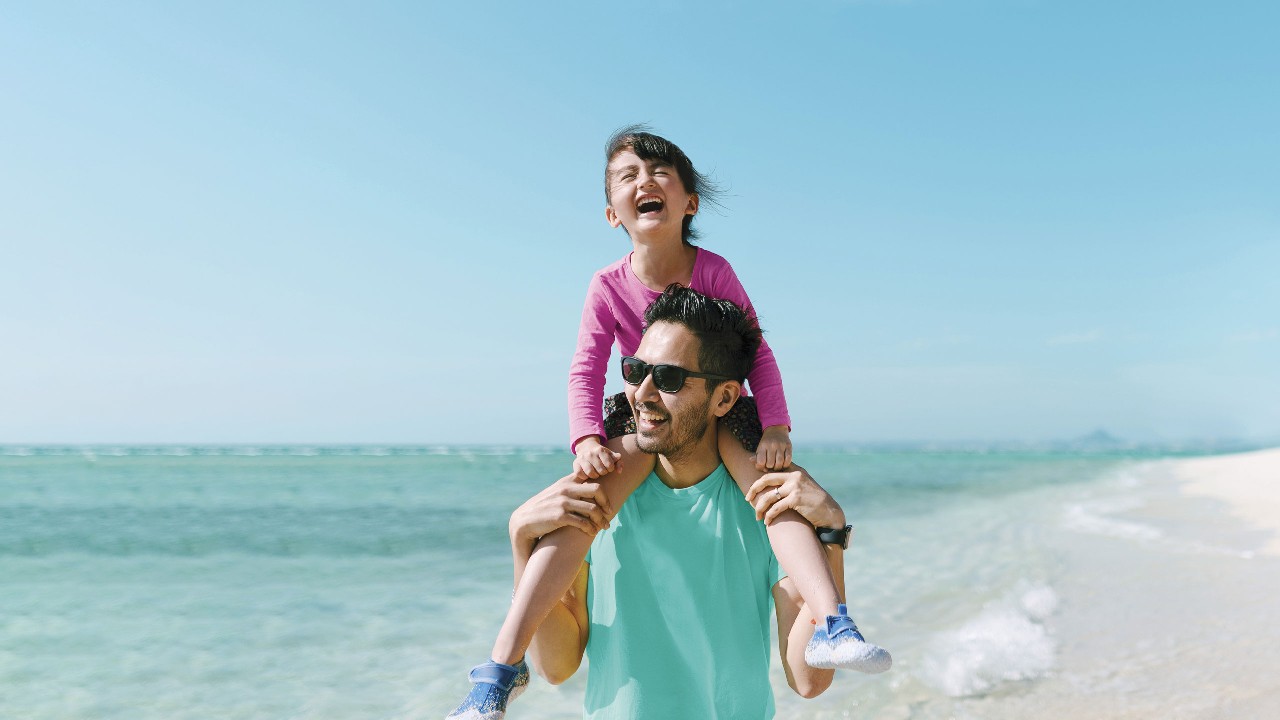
point(618, 171)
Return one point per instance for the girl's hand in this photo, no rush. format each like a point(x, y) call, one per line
point(774, 450)
point(796, 490)
point(594, 460)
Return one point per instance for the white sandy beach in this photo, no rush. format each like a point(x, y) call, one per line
point(1248, 483)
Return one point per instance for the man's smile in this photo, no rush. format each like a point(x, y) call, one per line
point(647, 417)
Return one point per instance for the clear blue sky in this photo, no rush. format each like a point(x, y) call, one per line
point(375, 222)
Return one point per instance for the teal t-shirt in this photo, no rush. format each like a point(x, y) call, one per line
point(681, 606)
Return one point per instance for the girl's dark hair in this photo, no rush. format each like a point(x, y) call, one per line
point(648, 146)
point(728, 335)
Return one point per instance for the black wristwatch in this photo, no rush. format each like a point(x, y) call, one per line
point(835, 536)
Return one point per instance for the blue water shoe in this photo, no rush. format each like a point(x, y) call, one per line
point(494, 686)
point(838, 644)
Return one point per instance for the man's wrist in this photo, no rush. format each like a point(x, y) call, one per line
point(835, 536)
point(832, 516)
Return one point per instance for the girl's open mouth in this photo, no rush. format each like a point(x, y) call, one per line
point(649, 205)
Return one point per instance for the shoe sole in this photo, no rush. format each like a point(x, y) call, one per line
point(875, 664)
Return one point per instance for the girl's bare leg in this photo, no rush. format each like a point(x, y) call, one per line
point(792, 537)
point(556, 560)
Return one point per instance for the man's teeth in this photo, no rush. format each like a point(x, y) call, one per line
point(650, 417)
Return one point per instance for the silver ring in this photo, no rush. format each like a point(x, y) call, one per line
point(777, 493)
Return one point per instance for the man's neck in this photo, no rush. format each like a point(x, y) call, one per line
point(692, 467)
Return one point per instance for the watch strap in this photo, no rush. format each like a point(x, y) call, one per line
point(835, 536)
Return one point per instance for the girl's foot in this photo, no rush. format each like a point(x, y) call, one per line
point(494, 685)
point(838, 644)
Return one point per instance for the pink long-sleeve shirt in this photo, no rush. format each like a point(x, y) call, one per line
point(614, 311)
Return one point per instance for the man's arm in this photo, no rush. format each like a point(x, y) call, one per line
point(795, 620)
point(558, 644)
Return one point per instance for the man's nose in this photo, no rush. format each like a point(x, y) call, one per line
point(647, 391)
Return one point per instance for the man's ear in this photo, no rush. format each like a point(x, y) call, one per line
point(724, 396)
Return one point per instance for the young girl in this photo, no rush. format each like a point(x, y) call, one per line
point(653, 193)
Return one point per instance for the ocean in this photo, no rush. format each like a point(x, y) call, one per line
point(363, 582)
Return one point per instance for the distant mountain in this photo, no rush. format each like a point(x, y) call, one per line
point(1099, 438)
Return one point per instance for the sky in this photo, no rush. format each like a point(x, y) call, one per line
point(375, 222)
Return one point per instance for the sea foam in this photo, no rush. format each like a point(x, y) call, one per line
point(1097, 517)
point(1005, 642)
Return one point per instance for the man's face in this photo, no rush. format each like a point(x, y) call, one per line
point(670, 424)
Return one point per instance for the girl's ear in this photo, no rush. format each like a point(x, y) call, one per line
point(611, 216)
point(726, 394)
point(692, 207)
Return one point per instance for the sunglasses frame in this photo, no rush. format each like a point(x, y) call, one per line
point(648, 369)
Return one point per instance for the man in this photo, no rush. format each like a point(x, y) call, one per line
point(672, 606)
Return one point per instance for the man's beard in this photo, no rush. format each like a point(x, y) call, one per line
point(684, 435)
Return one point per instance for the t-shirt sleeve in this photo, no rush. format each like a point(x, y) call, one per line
point(765, 379)
point(776, 573)
point(590, 361)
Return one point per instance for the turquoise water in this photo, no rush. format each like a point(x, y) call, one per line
point(363, 582)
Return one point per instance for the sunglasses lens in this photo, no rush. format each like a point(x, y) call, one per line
point(668, 378)
point(633, 371)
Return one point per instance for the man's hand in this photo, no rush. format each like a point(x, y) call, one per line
point(568, 502)
point(794, 489)
point(593, 460)
point(774, 450)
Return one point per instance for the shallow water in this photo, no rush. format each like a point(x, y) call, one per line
point(363, 582)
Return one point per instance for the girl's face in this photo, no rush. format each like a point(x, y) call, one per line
point(647, 197)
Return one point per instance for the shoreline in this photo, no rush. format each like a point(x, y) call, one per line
point(1166, 598)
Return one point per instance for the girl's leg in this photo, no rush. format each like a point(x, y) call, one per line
point(556, 560)
point(837, 642)
point(792, 537)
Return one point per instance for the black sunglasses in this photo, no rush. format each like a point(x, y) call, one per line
point(668, 378)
